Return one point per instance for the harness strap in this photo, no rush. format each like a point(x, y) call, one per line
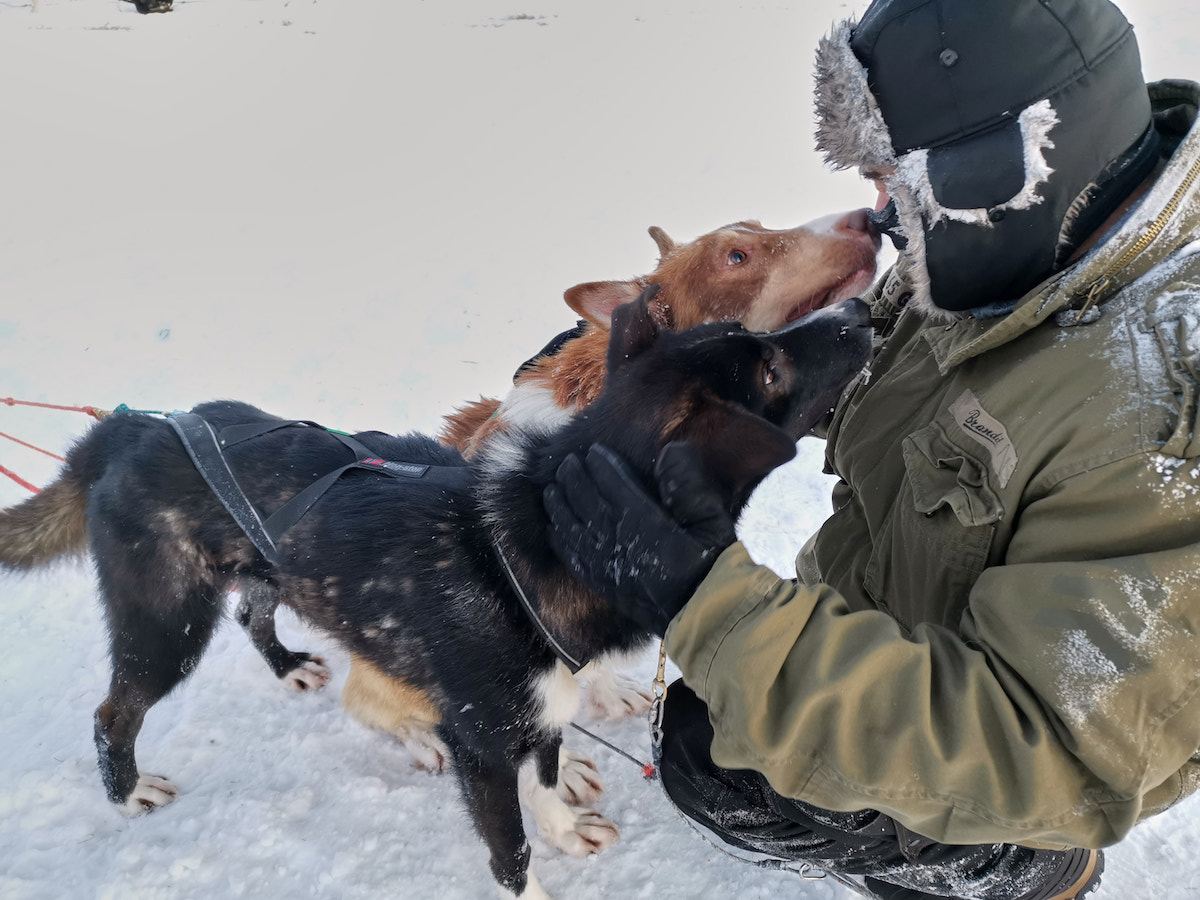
point(206, 449)
point(235, 434)
point(559, 650)
point(201, 444)
point(291, 512)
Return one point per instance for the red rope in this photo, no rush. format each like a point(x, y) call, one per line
point(90, 410)
point(19, 480)
point(31, 446)
point(10, 401)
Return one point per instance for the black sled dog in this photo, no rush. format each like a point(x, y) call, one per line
point(410, 573)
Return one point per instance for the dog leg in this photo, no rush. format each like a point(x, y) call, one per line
point(390, 704)
point(575, 830)
point(118, 722)
point(611, 695)
point(256, 613)
point(491, 794)
point(151, 655)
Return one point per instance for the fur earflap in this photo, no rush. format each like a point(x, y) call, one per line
point(850, 128)
point(911, 265)
point(1035, 122)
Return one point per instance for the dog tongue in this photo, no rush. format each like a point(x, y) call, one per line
point(815, 302)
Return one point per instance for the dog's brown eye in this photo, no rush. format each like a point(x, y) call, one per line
point(736, 257)
point(768, 374)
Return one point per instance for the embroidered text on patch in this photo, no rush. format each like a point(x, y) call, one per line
point(972, 418)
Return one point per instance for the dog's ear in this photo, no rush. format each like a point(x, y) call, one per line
point(740, 448)
point(596, 300)
point(662, 241)
point(634, 328)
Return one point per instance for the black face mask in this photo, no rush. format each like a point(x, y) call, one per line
point(887, 221)
point(971, 265)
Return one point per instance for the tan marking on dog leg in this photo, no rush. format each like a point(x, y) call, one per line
point(388, 704)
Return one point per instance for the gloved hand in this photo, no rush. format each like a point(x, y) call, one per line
point(621, 543)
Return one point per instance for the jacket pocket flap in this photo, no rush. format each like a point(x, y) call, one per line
point(942, 474)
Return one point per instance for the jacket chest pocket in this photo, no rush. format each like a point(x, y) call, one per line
point(934, 542)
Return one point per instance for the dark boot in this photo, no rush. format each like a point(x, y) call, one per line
point(1076, 876)
point(741, 809)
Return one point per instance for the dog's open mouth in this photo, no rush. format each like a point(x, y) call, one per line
point(850, 286)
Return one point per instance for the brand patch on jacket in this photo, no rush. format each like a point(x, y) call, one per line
point(972, 418)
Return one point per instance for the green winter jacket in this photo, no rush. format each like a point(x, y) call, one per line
point(996, 635)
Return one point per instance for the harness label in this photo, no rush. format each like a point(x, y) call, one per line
point(408, 470)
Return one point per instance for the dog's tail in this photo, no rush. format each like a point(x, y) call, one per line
point(53, 523)
point(46, 526)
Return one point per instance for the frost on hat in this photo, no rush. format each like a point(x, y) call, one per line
point(998, 117)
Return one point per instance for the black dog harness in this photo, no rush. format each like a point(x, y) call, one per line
point(206, 448)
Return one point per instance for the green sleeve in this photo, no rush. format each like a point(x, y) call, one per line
point(1068, 694)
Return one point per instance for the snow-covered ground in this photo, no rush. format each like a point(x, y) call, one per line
point(364, 213)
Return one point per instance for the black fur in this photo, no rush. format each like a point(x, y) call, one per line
point(403, 572)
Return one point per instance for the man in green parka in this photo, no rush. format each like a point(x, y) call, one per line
point(989, 665)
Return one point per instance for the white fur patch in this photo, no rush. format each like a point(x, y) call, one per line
point(611, 695)
point(531, 402)
point(425, 747)
point(574, 830)
point(501, 454)
point(150, 792)
point(310, 675)
point(533, 890)
point(579, 781)
point(825, 225)
point(559, 694)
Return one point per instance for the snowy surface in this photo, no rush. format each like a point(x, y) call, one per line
point(365, 213)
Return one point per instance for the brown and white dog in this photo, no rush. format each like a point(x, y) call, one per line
point(759, 277)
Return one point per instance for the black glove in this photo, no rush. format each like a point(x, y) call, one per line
point(622, 544)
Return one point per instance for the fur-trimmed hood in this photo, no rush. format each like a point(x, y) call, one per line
point(851, 132)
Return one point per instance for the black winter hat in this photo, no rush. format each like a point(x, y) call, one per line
point(1005, 120)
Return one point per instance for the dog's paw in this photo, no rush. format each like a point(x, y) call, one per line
point(572, 829)
point(310, 675)
point(616, 697)
point(533, 890)
point(579, 781)
point(150, 792)
point(584, 833)
point(426, 748)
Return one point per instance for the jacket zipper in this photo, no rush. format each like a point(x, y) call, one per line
point(1146, 239)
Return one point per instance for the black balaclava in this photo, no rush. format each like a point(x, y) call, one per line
point(1014, 126)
